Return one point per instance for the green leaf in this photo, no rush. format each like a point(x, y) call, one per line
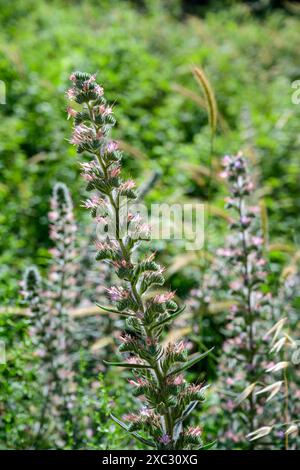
point(208, 446)
point(177, 430)
point(136, 435)
point(168, 319)
point(190, 363)
point(188, 411)
point(128, 365)
point(112, 310)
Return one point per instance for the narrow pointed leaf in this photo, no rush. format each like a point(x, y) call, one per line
point(177, 430)
point(261, 432)
point(128, 365)
point(279, 366)
point(169, 318)
point(188, 411)
point(190, 363)
point(273, 388)
point(136, 435)
point(208, 446)
point(276, 329)
point(112, 310)
point(245, 393)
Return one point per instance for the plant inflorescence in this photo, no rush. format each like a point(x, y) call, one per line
point(158, 371)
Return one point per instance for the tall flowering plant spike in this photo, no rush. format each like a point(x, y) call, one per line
point(251, 395)
point(158, 371)
point(63, 230)
point(67, 401)
point(61, 291)
point(245, 352)
point(51, 328)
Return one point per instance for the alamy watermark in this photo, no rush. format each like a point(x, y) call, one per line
point(160, 222)
point(2, 92)
point(2, 353)
point(296, 94)
point(296, 353)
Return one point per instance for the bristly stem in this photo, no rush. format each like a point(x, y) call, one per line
point(157, 377)
point(133, 283)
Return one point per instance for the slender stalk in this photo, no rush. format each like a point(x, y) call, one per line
point(286, 408)
point(249, 317)
point(168, 423)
